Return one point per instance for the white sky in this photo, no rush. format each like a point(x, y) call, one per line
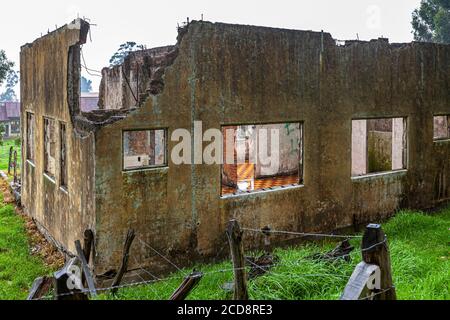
point(153, 23)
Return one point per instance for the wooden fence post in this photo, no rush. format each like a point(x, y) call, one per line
point(11, 149)
point(189, 283)
point(234, 234)
point(375, 251)
point(15, 167)
point(88, 244)
point(124, 266)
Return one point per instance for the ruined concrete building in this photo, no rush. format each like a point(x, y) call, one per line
point(365, 130)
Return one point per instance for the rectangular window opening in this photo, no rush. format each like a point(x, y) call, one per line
point(63, 155)
point(441, 127)
point(378, 145)
point(30, 137)
point(49, 147)
point(144, 149)
point(261, 157)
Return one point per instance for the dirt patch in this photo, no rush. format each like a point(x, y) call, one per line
point(8, 198)
point(39, 246)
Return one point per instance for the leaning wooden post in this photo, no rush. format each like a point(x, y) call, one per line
point(234, 234)
point(375, 250)
point(124, 266)
point(85, 267)
point(188, 284)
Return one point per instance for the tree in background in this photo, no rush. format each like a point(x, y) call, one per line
point(123, 51)
point(431, 22)
point(12, 79)
point(5, 66)
point(86, 85)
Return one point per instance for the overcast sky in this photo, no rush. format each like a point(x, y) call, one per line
point(153, 23)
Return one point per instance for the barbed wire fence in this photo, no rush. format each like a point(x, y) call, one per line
point(370, 250)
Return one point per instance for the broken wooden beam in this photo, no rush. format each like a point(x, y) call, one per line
point(188, 284)
point(85, 267)
point(235, 235)
point(342, 251)
point(124, 265)
point(261, 265)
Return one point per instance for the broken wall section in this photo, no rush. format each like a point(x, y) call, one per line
point(126, 86)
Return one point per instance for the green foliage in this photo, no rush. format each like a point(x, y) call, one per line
point(5, 66)
point(419, 254)
point(12, 79)
point(18, 142)
point(124, 50)
point(431, 22)
point(86, 85)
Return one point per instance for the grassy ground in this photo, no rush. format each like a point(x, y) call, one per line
point(18, 268)
point(419, 247)
point(4, 154)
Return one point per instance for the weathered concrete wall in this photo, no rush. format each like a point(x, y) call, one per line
point(399, 143)
point(62, 214)
point(124, 86)
point(228, 75)
point(359, 147)
point(379, 151)
point(288, 152)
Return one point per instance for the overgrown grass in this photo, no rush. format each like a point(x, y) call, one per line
point(419, 246)
point(18, 268)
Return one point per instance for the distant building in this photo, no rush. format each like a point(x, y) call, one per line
point(10, 118)
point(88, 101)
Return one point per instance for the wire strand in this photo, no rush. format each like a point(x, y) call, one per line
point(160, 254)
point(369, 297)
point(302, 233)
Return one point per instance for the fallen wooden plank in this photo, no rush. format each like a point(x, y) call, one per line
point(342, 251)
